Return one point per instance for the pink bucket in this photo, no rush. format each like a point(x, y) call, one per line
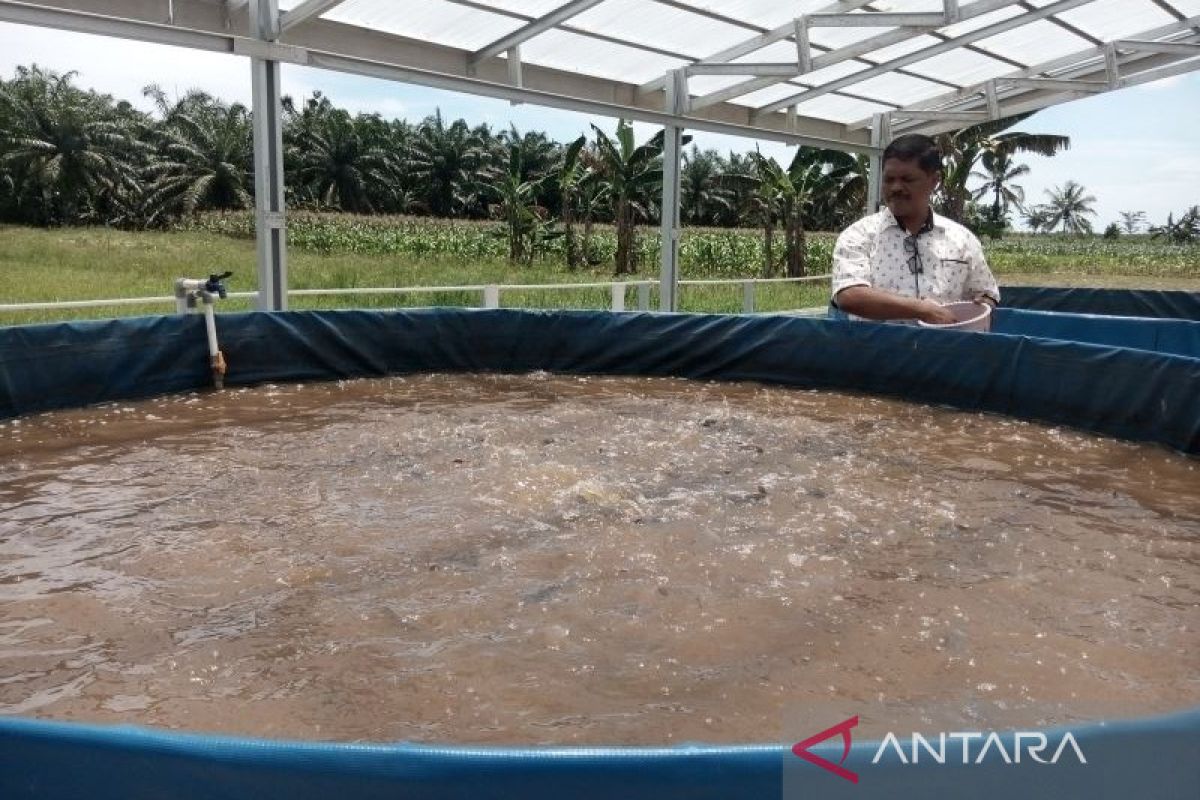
point(969, 317)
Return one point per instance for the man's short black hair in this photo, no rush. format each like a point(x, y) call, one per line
point(915, 147)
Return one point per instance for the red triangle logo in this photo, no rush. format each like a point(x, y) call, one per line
point(801, 749)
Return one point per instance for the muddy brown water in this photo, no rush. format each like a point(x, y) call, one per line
point(541, 559)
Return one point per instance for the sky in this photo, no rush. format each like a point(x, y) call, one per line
point(1135, 149)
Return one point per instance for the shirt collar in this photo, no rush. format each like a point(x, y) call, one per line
point(935, 221)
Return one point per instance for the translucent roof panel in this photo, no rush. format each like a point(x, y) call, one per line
point(898, 88)
point(430, 20)
point(1112, 19)
point(766, 13)
point(660, 26)
point(903, 48)
point(962, 66)
point(982, 21)
point(1042, 37)
point(571, 52)
point(839, 109)
point(532, 8)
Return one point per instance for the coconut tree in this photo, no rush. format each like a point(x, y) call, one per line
point(998, 175)
point(1069, 206)
point(962, 150)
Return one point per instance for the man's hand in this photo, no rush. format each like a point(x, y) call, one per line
point(934, 314)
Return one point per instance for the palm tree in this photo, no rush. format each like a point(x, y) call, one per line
point(1037, 218)
point(630, 172)
point(67, 153)
point(444, 158)
point(963, 149)
point(340, 168)
point(998, 174)
point(205, 157)
point(1068, 206)
point(702, 199)
point(1132, 220)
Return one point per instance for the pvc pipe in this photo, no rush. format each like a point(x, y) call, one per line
point(216, 359)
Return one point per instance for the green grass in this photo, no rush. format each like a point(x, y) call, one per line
point(343, 251)
point(41, 265)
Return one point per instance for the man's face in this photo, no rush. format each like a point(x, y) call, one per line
point(906, 189)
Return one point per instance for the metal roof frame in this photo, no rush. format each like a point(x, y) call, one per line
point(826, 93)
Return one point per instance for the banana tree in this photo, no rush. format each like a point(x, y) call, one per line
point(631, 172)
point(517, 206)
point(572, 171)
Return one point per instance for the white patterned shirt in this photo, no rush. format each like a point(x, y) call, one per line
point(871, 252)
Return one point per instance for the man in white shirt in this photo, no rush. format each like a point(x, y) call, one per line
point(903, 262)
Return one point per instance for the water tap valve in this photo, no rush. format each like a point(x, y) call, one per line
point(216, 284)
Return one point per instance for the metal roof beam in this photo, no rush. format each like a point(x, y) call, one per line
point(979, 90)
point(1176, 48)
point(806, 63)
point(878, 20)
point(924, 53)
point(1057, 84)
point(305, 11)
point(539, 25)
point(741, 68)
point(141, 30)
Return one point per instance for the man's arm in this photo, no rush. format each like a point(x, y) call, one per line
point(981, 285)
point(872, 303)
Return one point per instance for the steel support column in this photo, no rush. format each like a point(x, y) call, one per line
point(676, 102)
point(879, 139)
point(269, 218)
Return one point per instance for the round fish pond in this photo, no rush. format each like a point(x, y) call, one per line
point(537, 561)
point(545, 559)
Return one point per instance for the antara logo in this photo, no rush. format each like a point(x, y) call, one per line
point(1035, 743)
point(1031, 744)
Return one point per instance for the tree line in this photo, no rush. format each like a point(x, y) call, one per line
point(70, 156)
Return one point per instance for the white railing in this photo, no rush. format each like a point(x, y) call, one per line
point(489, 293)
